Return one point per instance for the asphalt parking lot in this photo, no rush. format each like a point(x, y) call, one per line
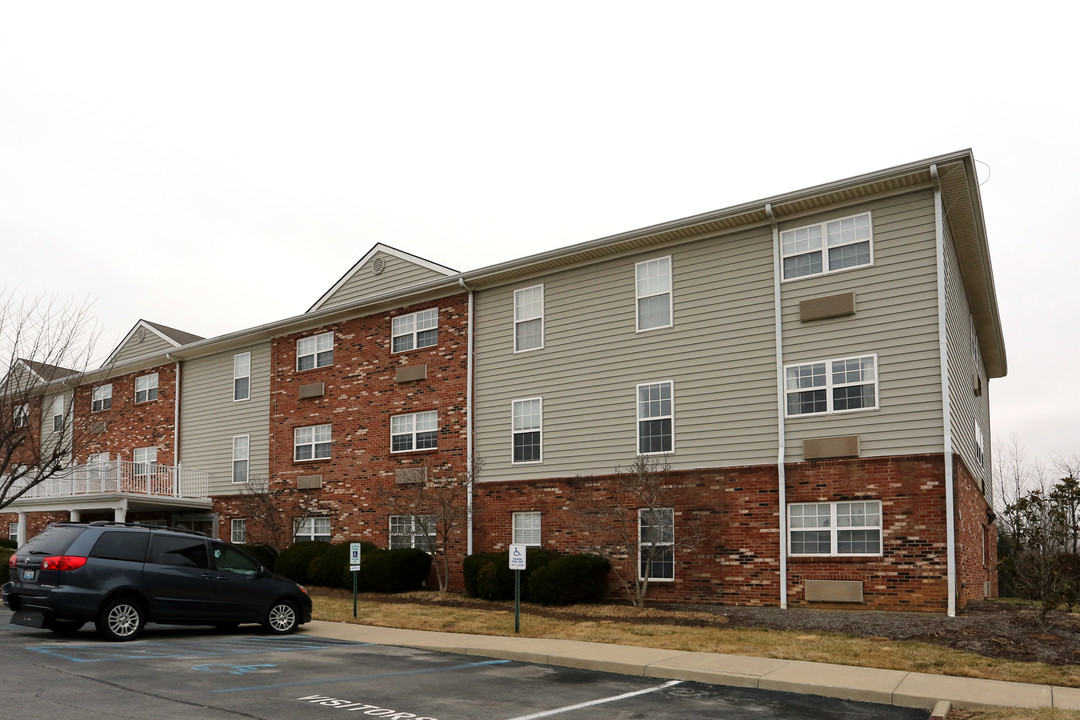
point(198, 673)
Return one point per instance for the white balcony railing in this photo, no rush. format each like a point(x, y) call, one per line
point(123, 476)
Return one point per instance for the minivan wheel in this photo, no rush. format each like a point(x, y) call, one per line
point(64, 627)
point(121, 619)
point(282, 618)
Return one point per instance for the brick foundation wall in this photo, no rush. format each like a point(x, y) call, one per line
point(976, 539)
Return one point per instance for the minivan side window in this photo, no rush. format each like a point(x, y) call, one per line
point(179, 551)
point(229, 559)
point(121, 546)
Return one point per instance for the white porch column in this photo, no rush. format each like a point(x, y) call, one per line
point(75, 515)
point(120, 511)
point(21, 532)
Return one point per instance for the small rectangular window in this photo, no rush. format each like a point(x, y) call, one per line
point(412, 531)
point(58, 414)
point(416, 431)
point(312, 528)
point(101, 398)
point(838, 528)
point(656, 543)
point(13, 532)
point(238, 531)
point(240, 458)
point(315, 351)
point(527, 429)
point(653, 293)
point(312, 442)
point(979, 444)
point(242, 376)
point(416, 330)
point(826, 247)
point(526, 529)
point(529, 318)
point(656, 418)
point(22, 415)
point(831, 386)
point(146, 388)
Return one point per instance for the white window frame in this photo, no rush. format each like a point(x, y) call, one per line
point(525, 528)
point(668, 512)
point(411, 327)
point(320, 348)
point(980, 444)
point(794, 384)
point(97, 465)
point(519, 416)
point(407, 526)
point(833, 519)
point(312, 528)
point(241, 372)
point(241, 449)
point(238, 531)
point(13, 531)
point(643, 277)
point(648, 406)
point(58, 414)
point(142, 458)
point(528, 311)
point(318, 438)
point(21, 415)
point(411, 426)
point(147, 386)
point(101, 398)
point(808, 240)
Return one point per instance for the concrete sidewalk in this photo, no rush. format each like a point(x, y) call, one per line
point(888, 687)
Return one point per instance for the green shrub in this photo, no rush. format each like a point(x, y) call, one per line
point(498, 584)
point(395, 570)
point(293, 561)
point(7, 543)
point(262, 553)
point(326, 568)
point(5, 555)
point(570, 579)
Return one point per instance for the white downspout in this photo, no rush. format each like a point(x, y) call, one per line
point(946, 404)
point(469, 422)
point(782, 440)
point(176, 413)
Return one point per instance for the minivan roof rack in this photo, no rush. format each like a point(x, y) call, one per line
point(117, 523)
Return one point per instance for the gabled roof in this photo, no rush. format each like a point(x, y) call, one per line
point(179, 336)
point(172, 336)
point(46, 372)
point(368, 257)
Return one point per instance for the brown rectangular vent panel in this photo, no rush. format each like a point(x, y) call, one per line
point(411, 373)
point(827, 307)
point(831, 447)
point(309, 482)
point(411, 476)
point(837, 591)
point(312, 390)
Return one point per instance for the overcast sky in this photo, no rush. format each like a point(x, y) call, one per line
point(217, 165)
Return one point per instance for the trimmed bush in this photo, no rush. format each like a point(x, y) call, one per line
point(395, 570)
point(570, 579)
point(326, 568)
point(262, 553)
point(294, 560)
point(7, 543)
point(5, 555)
point(498, 582)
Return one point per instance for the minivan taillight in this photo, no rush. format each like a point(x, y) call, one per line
point(63, 562)
point(11, 561)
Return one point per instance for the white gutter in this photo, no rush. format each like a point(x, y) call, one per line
point(780, 428)
point(469, 422)
point(946, 404)
point(176, 413)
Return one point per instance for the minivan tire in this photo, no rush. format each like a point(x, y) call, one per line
point(121, 619)
point(282, 618)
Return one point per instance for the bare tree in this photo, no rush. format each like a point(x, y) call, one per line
point(45, 349)
point(630, 520)
point(434, 508)
point(271, 523)
point(1015, 475)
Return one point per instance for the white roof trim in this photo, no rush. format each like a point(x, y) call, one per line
point(380, 248)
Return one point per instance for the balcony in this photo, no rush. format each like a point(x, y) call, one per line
point(124, 477)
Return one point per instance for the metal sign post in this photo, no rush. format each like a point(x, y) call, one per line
point(354, 566)
point(517, 564)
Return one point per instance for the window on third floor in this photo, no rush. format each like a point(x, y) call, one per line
point(827, 247)
point(415, 330)
point(653, 289)
point(146, 388)
point(101, 398)
point(315, 351)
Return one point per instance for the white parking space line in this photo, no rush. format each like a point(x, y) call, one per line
point(599, 701)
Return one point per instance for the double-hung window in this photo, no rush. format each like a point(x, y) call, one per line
point(312, 442)
point(529, 318)
point(240, 458)
point(22, 415)
point(315, 351)
point(835, 528)
point(238, 531)
point(416, 431)
point(312, 528)
point(98, 466)
point(526, 529)
point(241, 373)
point(653, 293)
point(827, 247)
point(656, 543)
point(656, 418)
point(412, 531)
point(146, 388)
point(830, 386)
point(58, 413)
point(528, 420)
point(416, 330)
point(145, 460)
point(101, 398)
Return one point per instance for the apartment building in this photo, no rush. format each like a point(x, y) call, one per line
point(811, 369)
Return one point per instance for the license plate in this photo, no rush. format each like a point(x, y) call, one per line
point(29, 574)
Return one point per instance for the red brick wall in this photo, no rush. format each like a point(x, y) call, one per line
point(129, 425)
point(976, 539)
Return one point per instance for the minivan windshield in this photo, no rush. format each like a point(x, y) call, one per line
point(54, 540)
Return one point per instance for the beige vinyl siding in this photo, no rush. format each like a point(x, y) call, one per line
point(719, 354)
point(967, 409)
point(134, 348)
point(397, 274)
point(210, 417)
point(50, 440)
point(895, 319)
